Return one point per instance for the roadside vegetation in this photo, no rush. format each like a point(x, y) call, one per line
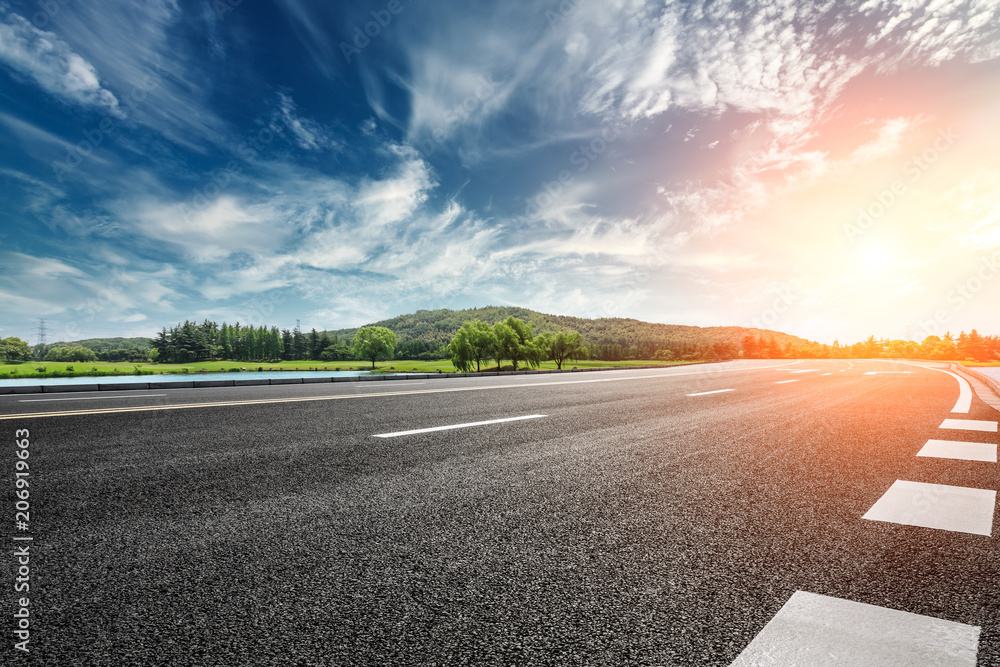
point(477, 342)
point(449, 341)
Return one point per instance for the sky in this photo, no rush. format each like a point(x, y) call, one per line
point(828, 170)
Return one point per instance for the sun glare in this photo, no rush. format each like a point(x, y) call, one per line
point(876, 259)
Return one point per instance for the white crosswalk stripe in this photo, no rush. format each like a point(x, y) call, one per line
point(966, 451)
point(823, 631)
point(954, 508)
point(970, 425)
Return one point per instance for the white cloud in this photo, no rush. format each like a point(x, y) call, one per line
point(53, 65)
point(16, 263)
point(262, 275)
point(160, 82)
point(891, 135)
point(307, 134)
point(220, 229)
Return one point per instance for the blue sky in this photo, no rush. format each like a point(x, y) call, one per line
point(825, 169)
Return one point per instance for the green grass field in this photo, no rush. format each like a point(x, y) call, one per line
point(101, 368)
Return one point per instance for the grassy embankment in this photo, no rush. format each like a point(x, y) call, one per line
point(104, 368)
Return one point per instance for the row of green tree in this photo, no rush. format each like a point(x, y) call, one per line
point(477, 343)
point(970, 346)
point(190, 342)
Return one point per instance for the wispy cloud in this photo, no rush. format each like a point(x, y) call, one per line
point(305, 133)
point(52, 64)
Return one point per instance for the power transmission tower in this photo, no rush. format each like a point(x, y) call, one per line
point(39, 350)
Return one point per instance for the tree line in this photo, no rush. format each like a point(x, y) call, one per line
point(189, 342)
point(970, 346)
point(477, 342)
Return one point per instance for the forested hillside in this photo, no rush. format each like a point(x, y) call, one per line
point(609, 338)
point(97, 344)
point(101, 349)
point(425, 334)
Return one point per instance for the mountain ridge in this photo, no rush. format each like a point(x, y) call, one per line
point(438, 327)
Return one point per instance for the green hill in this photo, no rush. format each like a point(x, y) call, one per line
point(436, 327)
point(107, 343)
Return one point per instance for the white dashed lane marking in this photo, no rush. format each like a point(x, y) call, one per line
point(706, 393)
point(955, 508)
point(453, 426)
point(970, 425)
point(823, 631)
point(785, 381)
point(965, 451)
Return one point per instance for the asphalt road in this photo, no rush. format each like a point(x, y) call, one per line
point(633, 523)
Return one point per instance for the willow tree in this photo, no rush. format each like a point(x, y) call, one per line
point(561, 347)
point(474, 342)
point(373, 344)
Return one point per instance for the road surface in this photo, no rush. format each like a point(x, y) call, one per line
point(722, 514)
